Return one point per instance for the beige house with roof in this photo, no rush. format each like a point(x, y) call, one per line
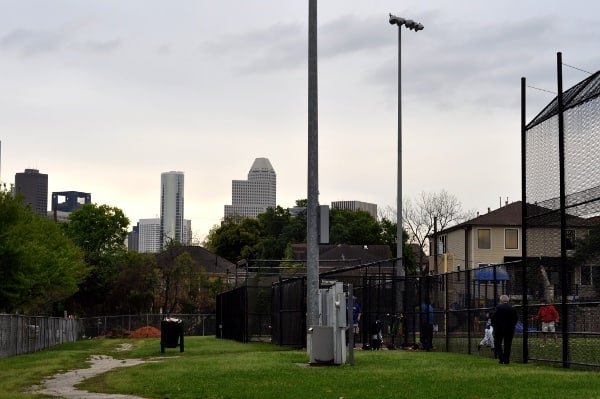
point(488, 239)
point(496, 238)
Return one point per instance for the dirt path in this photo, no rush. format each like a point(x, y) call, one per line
point(63, 385)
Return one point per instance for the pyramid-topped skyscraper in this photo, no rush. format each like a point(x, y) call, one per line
point(254, 196)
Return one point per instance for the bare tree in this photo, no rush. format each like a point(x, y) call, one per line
point(418, 218)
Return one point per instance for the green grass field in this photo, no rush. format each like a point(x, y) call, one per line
point(213, 368)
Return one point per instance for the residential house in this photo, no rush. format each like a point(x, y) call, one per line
point(496, 238)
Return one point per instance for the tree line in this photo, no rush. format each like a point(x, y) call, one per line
point(271, 234)
point(83, 266)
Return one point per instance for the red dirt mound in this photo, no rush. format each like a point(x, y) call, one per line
point(145, 332)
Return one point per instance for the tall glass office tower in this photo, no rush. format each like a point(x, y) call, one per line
point(33, 185)
point(171, 207)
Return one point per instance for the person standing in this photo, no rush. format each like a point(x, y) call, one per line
point(549, 317)
point(356, 315)
point(504, 321)
point(376, 333)
point(427, 321)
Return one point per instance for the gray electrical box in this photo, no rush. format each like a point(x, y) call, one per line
point(326, 342)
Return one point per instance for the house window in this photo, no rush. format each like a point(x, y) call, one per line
point(484, 239)
point(569, 239)
point(511, 239)
point(442, 244)
point(586, 275)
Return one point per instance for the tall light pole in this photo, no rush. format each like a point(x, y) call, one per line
point(312, 203)
point(400, 273)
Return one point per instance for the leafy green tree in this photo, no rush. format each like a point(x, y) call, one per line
point(178, 277)
point(100, 231)
point(354, 228)
point(278, 230)
point(389, 238)
point(185, 285)
point(235, 238)
point(270, 235)
point(135, 285)
point(39, 264)
point(388, 234)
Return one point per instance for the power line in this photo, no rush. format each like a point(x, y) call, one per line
point(567, 65)
point(537, 88)
point(579, 69)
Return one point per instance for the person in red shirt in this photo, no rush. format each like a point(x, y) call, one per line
point(549, 317)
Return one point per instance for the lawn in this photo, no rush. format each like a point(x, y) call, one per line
point(213, 368)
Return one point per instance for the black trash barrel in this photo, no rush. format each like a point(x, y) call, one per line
point(171, 334)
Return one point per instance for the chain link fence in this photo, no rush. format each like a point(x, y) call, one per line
point(461, 301)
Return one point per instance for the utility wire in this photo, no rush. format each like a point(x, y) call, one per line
point(537, 88)
point(579, 69)
point(567, 65)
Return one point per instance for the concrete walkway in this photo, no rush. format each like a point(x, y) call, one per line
point(63, 385)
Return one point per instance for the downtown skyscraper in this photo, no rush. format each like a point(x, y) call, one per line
point(33, 186)
point(171, 208)
point(253, 196)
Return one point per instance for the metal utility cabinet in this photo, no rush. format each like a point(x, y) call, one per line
point(326, 342)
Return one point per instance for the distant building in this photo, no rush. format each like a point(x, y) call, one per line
point(145, 237)
point(254, 196)
point(33, 185)
point(148, 231)
point(65, 202)
point(187, 232)
point(133, 239)
point(355, 206)
point(171, 207)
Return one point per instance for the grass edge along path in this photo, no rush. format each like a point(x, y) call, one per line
point(213, 368)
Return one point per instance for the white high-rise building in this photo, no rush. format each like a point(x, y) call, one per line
point(149, 235)
point(253, 196)
point(171, 207)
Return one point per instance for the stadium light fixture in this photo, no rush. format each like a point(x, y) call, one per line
point(400, 272)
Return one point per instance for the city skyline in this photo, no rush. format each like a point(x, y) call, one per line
point(104, 96)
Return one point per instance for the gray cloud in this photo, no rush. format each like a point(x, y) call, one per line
point(474, 59)
point(30, 43)
point(285, 46)
point(279, 46)
point(105, 46)
point(349, 34)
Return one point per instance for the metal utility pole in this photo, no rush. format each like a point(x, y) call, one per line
point(399, 269)
point(312, 206)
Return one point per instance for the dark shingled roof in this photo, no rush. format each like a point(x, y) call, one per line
point(364, 253)
point(212, 263)
point(510, 215)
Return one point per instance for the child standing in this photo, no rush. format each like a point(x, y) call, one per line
point(488, 338)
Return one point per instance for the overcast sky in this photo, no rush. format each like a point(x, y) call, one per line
point(103, 96)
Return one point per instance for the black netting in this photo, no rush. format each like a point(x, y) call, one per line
point(560, 219)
